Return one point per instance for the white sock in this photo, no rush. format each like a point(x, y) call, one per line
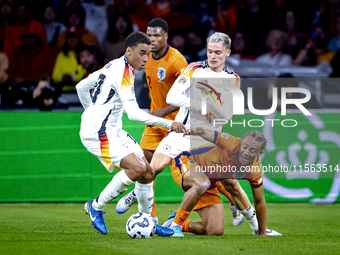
point(144, 193)
point(250, 215)
point(119, 184)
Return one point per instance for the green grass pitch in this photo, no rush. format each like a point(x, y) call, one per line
point(66, 229)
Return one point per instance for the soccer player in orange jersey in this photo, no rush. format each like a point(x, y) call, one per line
point(227, 158)
point(162, 69)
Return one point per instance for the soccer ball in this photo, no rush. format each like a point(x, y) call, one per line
point(140, 225)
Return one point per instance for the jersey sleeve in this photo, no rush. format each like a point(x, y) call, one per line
point(255, 182)
point(126, 89)
point(176, 95)
point(136, 114)
point(179, 65)
point(128, 98)
point(227, 141)
point(84, 88)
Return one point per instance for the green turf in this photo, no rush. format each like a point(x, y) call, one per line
point(65, 229)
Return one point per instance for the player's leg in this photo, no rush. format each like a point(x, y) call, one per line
point(124, 152)
point(119, 183)
point(159, 162)
point(242, 202)
point(212, 221)
point(151, 138)
point(210, 209)
point(148, 154)
point(195, 187)
point(237, 215)
point(167, 149)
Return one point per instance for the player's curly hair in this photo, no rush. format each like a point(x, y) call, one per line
point(220, 37)
point(258, 136)
point(136, 38)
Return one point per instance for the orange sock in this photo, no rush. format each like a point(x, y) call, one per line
point(153, 212)
point(185, 227)
point(222, 190)
point(181, 216)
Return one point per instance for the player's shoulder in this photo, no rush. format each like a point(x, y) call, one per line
point(196, 65)
point(228, 136)
point(117, 68)
point(228, 70)
point(116, 63)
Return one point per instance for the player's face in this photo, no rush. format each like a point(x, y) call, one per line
point(217, 54)
point(138, 56)
point(158, 38)
point(250, 149)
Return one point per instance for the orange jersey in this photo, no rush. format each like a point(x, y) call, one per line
point(219, 160)
point(161, 73)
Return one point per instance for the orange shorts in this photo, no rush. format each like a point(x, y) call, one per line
point(179, 166)
point(152, 136)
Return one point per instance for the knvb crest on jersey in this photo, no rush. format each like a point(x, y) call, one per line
point(161, 73)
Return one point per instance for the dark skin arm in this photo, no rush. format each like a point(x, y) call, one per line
point(165, 111)
point(261, 209)
point(207, 134)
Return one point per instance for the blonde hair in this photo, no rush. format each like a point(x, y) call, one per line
point(220, 37)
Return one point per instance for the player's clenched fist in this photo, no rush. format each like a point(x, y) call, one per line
point(178, 127)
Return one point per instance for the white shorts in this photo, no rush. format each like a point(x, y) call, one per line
point(111, 149)
point(173, 144)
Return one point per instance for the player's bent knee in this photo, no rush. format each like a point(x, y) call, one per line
point(202, 186)
point(159, 168)
point(139, 169)
point(233, 187)
point(149, 174)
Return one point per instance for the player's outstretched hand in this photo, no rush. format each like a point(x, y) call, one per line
point(269, 232)
point(178, 127)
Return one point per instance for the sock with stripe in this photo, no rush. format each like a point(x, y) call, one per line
point(180, 217)
point(185, 227)
point(250, 216)
point(144, 194)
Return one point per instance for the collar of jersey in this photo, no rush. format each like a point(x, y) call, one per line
point(166, 51)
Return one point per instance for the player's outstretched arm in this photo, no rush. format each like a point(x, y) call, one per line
point(165, 111)
point(205, 133)
point(175, 95)
point(261, 209)
point(136, 114)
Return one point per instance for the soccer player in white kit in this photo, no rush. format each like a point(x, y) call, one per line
point(180, 95)
point(105, 94)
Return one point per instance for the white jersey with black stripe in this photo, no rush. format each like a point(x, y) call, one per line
point(113, 92)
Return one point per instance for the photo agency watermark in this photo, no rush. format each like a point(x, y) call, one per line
point(225, 96)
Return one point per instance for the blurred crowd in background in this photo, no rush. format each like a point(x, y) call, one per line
point(46, 47)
